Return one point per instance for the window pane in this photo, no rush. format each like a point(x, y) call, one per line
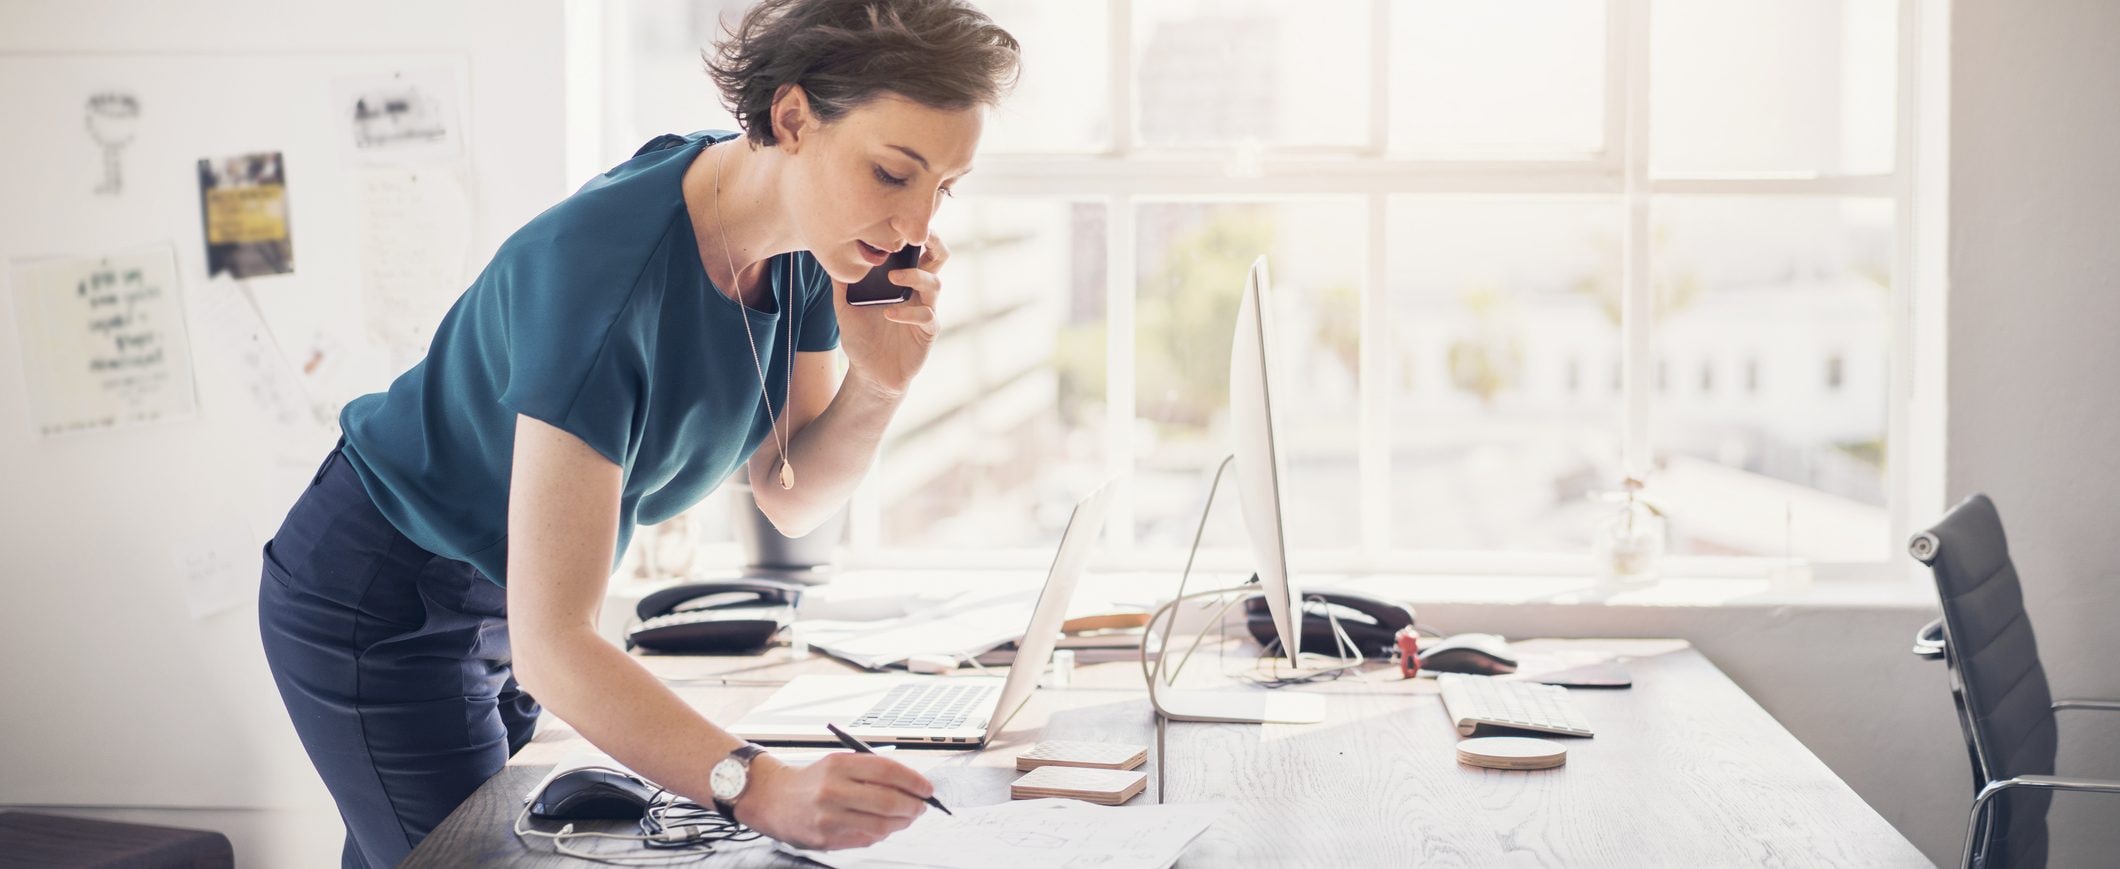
point(1221, 72)
point(1003, 430)
point(1772, 86)
point(1193, 259)
point(1505, 394)
point(1058, 106)
point(1062, 102)
point(659, 83)
point(1772, 315)
point(1498, 79)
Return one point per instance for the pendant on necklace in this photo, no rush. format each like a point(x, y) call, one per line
point(787, 474)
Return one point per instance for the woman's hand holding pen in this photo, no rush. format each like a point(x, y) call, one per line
point(887, 344)
point(842, 800)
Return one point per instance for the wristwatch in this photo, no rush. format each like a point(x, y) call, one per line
point(730, 776)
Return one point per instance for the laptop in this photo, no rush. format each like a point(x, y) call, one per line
point(952, 711)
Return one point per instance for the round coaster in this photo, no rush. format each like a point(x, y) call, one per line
point(1512, 752)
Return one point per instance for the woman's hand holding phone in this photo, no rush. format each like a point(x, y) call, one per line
point(886, 333)
point(877, 288)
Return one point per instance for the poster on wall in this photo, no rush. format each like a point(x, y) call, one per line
point(243, 200)
point(103, 341)
point(113, 121)
point(402, 118)
point(415, 232)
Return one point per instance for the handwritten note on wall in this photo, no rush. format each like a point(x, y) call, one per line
point(415, 228)
point(103, 341)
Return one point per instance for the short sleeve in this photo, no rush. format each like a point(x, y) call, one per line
point(573, 359)
point(820, 320)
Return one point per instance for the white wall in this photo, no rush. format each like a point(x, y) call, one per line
point(118, 704)
point(2035, 344)
point(2033, 421)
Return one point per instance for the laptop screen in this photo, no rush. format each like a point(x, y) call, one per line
point(1036, 647)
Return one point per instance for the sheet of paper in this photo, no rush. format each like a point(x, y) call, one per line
point(967, 625)
point(403, 117)
point(335, 369)
point(103, 341)
point(248, 226)
point(415, 234)
point(228, 324)
point(220, 567)
point(1036, 834)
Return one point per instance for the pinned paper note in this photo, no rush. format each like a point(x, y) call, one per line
point(401, 117)
point(103, 341)
point(229, 326)
point(244, 200)
point(415, 234)
point(220, 567)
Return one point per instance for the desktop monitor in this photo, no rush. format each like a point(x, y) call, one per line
point(1259, 466)
point(1260, 475)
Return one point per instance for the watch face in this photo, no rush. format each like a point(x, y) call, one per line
point(728, 777)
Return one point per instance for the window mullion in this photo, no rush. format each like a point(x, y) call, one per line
point(1612, 148)
point(1374, 390)
point(1119, 297)
point(1121, 87)
point(1119, 287)
point(1638, 343)
point(1379, 76)
point(1905, 219)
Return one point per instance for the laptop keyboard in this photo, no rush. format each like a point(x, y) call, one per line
point(927, 707)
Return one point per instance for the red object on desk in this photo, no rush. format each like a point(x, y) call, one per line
point(1409, 644)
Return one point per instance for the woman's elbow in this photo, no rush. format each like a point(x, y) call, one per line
point(789, 520)
point(789, 517)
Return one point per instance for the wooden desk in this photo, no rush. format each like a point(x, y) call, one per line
point(1685, 771)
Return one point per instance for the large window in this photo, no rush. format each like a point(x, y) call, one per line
point(1523, 252)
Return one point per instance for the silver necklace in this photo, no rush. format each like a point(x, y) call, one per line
point(787, 470)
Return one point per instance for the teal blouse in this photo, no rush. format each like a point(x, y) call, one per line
point(598, 319)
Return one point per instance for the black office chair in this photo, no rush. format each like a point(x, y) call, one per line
point(2004, 706)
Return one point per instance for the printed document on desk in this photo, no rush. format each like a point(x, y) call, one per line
point(963, 626)
point(1036, 834)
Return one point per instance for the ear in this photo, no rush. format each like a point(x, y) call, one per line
point(792, 119)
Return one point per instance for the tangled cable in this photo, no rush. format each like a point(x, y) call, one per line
point(676, 826)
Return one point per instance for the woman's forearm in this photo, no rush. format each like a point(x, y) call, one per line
point(830, 456)
point(621, 708)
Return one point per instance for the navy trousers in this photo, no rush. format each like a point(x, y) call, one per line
point(394, 665)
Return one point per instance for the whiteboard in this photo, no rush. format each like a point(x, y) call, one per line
point(133, 672)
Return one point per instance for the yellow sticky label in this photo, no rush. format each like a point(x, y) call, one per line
point(238, 215)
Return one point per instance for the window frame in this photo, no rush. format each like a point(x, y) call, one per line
point(1126, 174)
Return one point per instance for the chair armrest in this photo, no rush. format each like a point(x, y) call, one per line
point(2057, 784)
point(2102, 705)
point(2052, 783)
point(1929, 642)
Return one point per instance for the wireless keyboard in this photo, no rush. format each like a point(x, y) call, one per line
point(1474, 701)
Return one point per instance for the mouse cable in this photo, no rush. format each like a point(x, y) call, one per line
point(681, 823)
point(562, 839)
point(681, 828)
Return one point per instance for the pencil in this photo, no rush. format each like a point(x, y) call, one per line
point(863, 747)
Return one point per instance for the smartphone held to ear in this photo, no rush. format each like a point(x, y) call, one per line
point(877, 289)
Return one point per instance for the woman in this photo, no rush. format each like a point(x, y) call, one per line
point(622, 354)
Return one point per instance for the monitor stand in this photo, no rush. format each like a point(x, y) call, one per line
point(1236, 706)
point(1254, 706)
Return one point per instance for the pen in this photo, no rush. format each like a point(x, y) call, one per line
point(863, 747)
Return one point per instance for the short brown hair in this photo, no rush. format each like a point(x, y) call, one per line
point(943, 54)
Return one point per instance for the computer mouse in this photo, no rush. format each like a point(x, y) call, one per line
point(1483, 654)
point(594, 793)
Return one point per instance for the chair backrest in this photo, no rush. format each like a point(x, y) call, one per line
point(2003, 700)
